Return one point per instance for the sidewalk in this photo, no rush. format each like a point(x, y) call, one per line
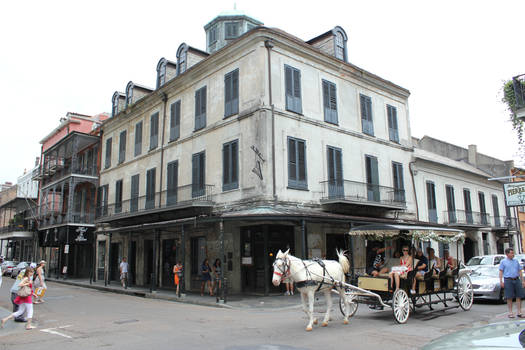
point(232, 301)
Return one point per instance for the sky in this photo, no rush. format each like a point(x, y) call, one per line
point(71, 56)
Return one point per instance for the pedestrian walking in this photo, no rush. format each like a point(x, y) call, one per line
point(177, 274)
point(511, 280)
point(206, 276)
point(14, 292)
point(24, 300)
point(217, 270)
point(123, 268)
point(40, 282)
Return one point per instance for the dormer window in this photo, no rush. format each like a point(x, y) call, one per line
point(231, 30)
point(182, 53)
point(114, 104)
point(161, 72)
point(340, 39)
point(129, 94)
point(212, 36)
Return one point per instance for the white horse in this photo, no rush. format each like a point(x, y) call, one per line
point(311, 276)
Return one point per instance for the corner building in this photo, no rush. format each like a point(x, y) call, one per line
point(264, 142)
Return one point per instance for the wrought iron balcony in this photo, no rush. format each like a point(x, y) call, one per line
point(181, 197)
point(504, 222)
point(466, 218)
point(56, 217)
point(362, 193)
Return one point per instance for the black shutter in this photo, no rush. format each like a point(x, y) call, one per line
point(225, 166)
point(175, 121)
point(150, 188)
point(392, 124)
point(108, 153)
point(292, 165)
point(235, 164)
point(235, 92)
point(122, 147)
point(173, 168)
point(154, 131)
point(138, 139)
point(288, 86)
point(228, 95)
point(118, 196)
point(330, 102)
point(194, 175)
point(301, 162)
point(200, 108)
point(134, 197)
point(297, 91)
point(198, 174)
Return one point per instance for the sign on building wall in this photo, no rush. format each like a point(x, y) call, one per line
point(514, 193)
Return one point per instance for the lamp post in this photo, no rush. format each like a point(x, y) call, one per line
point(508, 222)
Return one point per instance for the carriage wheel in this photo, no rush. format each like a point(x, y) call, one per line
point(400, 306)
point(352, 304)
point(465, 295)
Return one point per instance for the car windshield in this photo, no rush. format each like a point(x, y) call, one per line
point(486, 271)
point(22, 264)
point(480, 260)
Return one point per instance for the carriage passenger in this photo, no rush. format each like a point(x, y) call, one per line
point(421, 268)
point(378, 264)
point(434, 262)
point(448, 260)
point(405, 265)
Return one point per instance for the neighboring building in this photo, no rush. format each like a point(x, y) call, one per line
point(519, 174)
point(453, 188)
point(17, 219)
point(269, 142)
point(68, 176)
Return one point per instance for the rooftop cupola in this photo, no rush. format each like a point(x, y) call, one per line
point(227, 26)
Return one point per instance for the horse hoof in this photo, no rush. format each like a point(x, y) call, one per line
point(308, 329)
point(324, 324)
point(345, 322)
point(315, 321)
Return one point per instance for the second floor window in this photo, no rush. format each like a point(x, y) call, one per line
point(495, 211)
point(399, 186)
point(451, 204)
point(122, 147)
point(154, 131)
point(118, 196)
point(231, 93)
point(150, 189)
point(173, 180)
point(175, 121)
point(366, 115)
point(482, 208)
point(102, 200)
point(372, 179)
point(431, 202)
point(107, 162)
point(297, 164)
point(138, 138)
point(230, 165)
point(200, 108)
point(468, 206)
point(393, 133)
point(335, 172)
point(134, 193)
point(330, 102)
point(292, 84)
point(198, 174)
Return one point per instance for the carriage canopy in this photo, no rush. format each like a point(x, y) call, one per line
point(381, 232)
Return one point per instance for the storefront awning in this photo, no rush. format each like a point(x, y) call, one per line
point(419, 233)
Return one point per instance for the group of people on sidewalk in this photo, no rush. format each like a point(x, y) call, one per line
point(211, 276)
point(29, 283)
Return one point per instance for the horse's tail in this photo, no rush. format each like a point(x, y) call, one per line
point(343, 260)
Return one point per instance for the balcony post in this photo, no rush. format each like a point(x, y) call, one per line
point(183, 259)
point(303, 238)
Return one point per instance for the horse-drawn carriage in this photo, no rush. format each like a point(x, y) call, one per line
point(449, 285)
point(310, 276)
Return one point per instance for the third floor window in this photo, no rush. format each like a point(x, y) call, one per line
point(292, 84)
point(231, 93)
point(393, 133)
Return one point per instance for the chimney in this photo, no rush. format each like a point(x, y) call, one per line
point(472, 154)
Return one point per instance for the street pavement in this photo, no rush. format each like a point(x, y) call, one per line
point(82, 318)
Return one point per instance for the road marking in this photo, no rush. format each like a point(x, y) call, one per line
point(52, 331)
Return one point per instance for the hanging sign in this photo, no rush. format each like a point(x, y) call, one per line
point(514, 194)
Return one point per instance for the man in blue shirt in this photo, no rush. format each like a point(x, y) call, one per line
point(511, 280)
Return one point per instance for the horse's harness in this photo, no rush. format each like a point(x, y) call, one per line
point(284, 271)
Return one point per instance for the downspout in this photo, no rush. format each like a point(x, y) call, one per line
point(411, 166)
point(165, 100)
point(269, 45)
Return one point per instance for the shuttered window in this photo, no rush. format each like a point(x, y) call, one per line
point(482, 208)
point(175, 121)
point(198, 165)
point(154, 131)
point(297, 164)
point(102, 201)
point(230, 165)
point(495, 211)
point(107, 163)
point(118, 196)
point(200, 108)
point(138, 139)
point(335, 172)
point(330, 102)
point(468, 206)
point(134, 193)
point(398, 180)
point(293, 89)
point(173, 180)
point(231, 93)
point(372, 179)
point(212, 35)
point(451, 204)
point(150, 189)
point(393, 132)
point(431, 202)
point(366, 115)
point(122, 147)
point(231, 30)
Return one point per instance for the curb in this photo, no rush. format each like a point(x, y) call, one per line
point(141, 294)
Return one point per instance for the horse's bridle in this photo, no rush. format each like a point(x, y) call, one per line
point(284, 271)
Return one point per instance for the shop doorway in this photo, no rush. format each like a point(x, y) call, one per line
point(148, 261)
point(335, 241)
point(169, 256)
point(259, 245)
point(132, 261)
point(468, 249)
point(114, 262)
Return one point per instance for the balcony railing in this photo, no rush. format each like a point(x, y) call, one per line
point(362, 193)
point(59, 218)
point(16, 228)
point(181, 197)
point(518, 83)
point(58, 172)
point(504, 222)
point(463, 217)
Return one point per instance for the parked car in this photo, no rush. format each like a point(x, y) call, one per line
point(485, 282)
point(16, 270)
point(7, 267)
point(484, 260)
